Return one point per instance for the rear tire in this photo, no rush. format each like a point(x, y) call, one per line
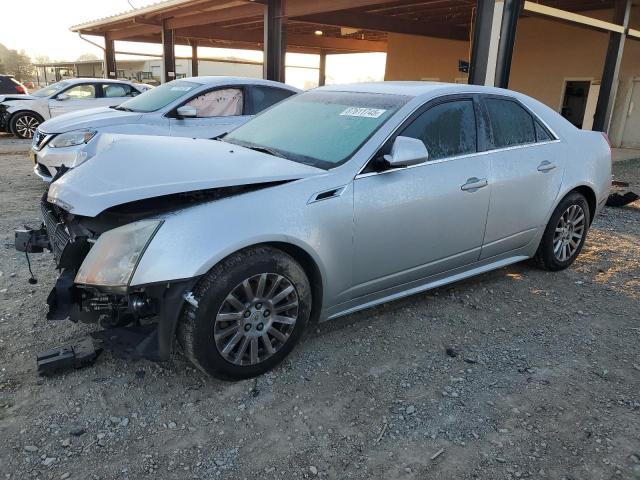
point(24, 124)
point(565, 233)
point(252, 309)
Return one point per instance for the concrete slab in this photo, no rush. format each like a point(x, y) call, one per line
point(11, 145)
point(622, 154)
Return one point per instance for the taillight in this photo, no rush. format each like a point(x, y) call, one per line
point(606, 137)
point(20, 89)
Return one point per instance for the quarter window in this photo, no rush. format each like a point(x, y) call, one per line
point(447, 129)
point(542, 135)
point(510, 123)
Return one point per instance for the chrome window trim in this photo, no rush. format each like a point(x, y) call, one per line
point(527, 109)
point(556, 138)
point(457, 157)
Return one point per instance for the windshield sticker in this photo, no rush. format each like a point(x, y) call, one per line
point(363, 112)
point(181, 89)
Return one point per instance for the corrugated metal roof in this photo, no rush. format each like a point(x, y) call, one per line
point(151, 8)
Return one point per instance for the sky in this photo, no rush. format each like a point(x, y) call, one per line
point(42, 29)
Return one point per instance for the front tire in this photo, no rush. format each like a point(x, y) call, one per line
point(252, 309)
point(565, 233)
point(24, 124)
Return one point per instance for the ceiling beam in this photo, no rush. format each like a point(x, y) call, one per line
point(206, 42)
point(298, 40)
point(133, 31)
point(383, 23)
point(543, 10)
point(298, 8)
point(218, 16)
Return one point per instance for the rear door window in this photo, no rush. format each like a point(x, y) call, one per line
point(115, 90)
point(447, 129)
point(264, 97)
point(511, 125)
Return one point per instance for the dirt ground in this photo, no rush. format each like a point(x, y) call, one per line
point(542, 380)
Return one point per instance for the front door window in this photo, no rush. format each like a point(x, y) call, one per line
point(226, 102)
point(81, 92)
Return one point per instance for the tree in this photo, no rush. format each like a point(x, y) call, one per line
point(42, 59)
point(15, 63)
point(87, 56)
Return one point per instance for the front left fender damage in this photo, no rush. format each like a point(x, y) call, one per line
point(157, 306)
point(154, 307)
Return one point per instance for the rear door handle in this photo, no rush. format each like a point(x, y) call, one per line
point(546, 166)
point(474, 184)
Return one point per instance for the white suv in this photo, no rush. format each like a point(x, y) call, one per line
point(22, 114)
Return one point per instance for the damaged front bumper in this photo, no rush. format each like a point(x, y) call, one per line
point(157, 304)
point(4, 119)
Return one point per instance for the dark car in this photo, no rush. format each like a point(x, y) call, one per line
point(11, 86)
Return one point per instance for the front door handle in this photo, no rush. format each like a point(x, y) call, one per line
point(473, 184)
point(546, 166)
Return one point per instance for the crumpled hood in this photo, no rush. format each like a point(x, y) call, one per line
point(128, 168)
point(9, 97)
point(90, 118)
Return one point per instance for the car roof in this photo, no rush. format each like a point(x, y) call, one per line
point(415, 89)
point(223, 80)
point(101, 80)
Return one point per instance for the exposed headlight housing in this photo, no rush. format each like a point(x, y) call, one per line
point(70, 139)
point(112, 261)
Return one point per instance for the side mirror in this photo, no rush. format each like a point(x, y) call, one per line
point(407, 151)
point(187, 111)
point(62, 97)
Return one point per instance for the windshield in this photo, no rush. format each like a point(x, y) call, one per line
point(318, 128)
point(51, 89)
point(159, 97)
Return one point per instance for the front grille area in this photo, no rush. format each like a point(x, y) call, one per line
point(3, 119)
point(58, 236)
point(39, 140)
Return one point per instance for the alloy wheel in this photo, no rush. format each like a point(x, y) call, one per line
point(26, 126)
point(569, 232)
point(256, 319)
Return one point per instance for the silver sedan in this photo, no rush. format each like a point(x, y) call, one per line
point(197, 107)
point(333, 201)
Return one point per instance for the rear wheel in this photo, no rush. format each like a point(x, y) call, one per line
point(565, 233)
point(24, 124)
point(251, 310)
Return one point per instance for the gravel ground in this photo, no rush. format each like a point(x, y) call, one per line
point(517, 373)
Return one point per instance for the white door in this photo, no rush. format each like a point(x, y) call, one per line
point(78, 97)
point(631, 134)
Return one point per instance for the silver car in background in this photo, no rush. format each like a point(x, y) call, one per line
point(21, 114)
point(197, 107)
point(336, 200)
